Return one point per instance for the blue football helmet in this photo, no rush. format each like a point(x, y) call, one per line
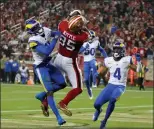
point(34, 27)
point(92, 34)
point(118, 51)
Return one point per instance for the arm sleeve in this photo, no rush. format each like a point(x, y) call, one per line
point(54, 33)
point(82, 49)
point(45, 49)
point(103, 52)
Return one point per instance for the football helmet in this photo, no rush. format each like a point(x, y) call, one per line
point(34, 27)
point(118, 51)
point(76, 23)
point(92, 34)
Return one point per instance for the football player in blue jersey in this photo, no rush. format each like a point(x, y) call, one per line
point(50, 77)
point(118, 66)
point(89, 51)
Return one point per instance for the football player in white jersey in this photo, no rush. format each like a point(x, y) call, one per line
point(118, 66)
point(50, 77)
point(24, 73)
point(89, 50)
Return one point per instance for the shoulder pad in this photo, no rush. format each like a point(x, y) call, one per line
point(32, 44)
point(47, 29)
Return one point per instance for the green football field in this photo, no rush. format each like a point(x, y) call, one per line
point(20, 109)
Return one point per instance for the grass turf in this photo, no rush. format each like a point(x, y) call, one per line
point(20, 109)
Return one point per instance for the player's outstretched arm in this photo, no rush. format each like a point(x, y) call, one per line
point(44, 49)
point(103, 52)
point(54, 33)
point(83, 48)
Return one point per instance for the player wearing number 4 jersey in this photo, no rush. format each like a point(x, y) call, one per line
point(89, 50)
point(118, 66)
point(71, 39)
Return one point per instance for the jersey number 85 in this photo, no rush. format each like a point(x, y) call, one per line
point(67, 43)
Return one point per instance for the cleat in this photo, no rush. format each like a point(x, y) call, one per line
point(94, 86)
point(91, 97)
point(61, 121)
point(96, 115)
point(44, 107)
point(64, 108)
point(103, 123)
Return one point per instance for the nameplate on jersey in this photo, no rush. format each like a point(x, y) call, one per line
point(32, 44)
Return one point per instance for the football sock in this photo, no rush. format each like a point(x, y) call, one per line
point(71, 95)
point(40, 96)
point(52, 105)
point(110, 109)
point(88, 88)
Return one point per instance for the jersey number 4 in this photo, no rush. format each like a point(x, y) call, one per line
point(67, 43)
point(117, 74)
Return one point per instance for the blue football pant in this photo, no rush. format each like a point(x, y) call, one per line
point(110, 92)
point(87, 71)
point(50, 77)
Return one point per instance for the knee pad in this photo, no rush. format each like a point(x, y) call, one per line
point(41, 96)
point(86, 81)
point(50, 93)
point(97, 105)
point(112, 100)
point(62, 85)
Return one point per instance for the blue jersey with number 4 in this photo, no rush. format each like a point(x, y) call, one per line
point(118, 69)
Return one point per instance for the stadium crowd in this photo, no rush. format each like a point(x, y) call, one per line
point(132, 22)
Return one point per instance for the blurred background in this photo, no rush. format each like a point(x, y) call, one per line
point(130, 21)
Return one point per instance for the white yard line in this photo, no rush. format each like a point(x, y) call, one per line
point(38, 86)
point(36, 122)
point(36, 110)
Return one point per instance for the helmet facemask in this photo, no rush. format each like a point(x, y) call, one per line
point(118, 53)
point(38, 29)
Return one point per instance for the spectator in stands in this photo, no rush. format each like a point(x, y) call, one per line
point(15, 67)
point(7, 70)
point(135, 16)
point(150, 52)
point(24, 72)
point(2, 63)
point(141, 77)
